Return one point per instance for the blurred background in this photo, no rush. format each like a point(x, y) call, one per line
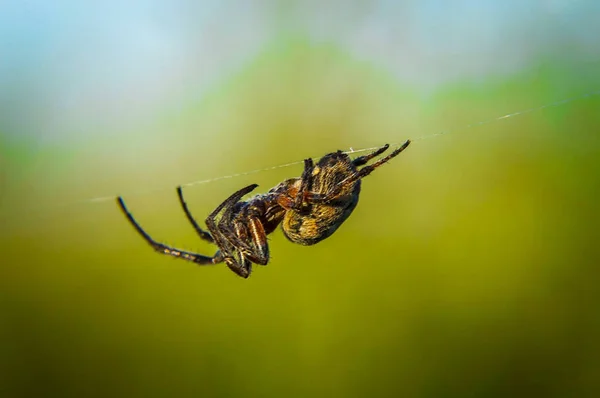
point(469, 268)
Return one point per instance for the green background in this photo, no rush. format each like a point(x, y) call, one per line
point(469, 268)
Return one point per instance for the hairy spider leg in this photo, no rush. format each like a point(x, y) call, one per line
point(365, 171)
point(259, 252)
point(232, 228)
point(205, 235)
point(227, 227)
point(241, 266)
point(241, 223)
point(284, 199)
point(306, 180)
point(197, 258)
point(362, 160)
point(217, 234)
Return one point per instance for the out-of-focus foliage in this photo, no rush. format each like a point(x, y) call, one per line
point(469, 268)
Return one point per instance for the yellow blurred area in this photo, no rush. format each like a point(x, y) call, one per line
point(469, 267)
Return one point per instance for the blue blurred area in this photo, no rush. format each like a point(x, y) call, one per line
point(72, 69)
point(69, 65)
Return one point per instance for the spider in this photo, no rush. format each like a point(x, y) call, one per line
point(309, 208)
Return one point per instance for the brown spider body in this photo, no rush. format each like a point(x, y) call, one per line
point(309, 208)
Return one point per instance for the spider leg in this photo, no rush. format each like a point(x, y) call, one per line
point(365, 171)
point(241, 266)
point(202, 233)
point(228, 228)
point(197, 258)
point(245, 232)
point(359, 161)
point(235, 260)
point(221, 232)
point(211, 222)
point(231, 200)
point(241, 226)
point(241, 255)
point(306, 180)
point(253, 230)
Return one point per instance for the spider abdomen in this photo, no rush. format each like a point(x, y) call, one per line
point(318, 221)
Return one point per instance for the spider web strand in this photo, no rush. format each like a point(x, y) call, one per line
point(354, 151)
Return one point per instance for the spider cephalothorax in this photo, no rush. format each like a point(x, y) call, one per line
point(309, 208)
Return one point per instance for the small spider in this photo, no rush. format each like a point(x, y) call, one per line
point(309, 208)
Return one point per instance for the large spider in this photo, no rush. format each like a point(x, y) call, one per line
point(310, 209)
